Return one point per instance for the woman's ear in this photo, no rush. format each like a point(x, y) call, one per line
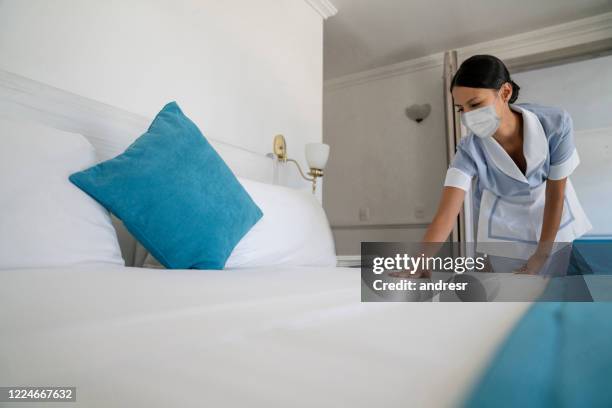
point(506, 92)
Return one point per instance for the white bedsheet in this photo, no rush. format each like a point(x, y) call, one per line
point(260, 337)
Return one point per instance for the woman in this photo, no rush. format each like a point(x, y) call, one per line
point(521, 156)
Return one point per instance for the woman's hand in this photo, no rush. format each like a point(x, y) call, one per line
point(534, 263)
point(553, 210)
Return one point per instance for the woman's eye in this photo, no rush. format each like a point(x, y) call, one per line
point(474, 105)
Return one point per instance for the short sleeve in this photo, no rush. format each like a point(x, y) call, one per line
point(563, 154)
point(461, 171)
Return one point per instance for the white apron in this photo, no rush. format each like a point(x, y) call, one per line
point(511, 226)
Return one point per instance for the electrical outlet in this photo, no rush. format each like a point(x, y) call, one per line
point(419, 212)
point(364, 213)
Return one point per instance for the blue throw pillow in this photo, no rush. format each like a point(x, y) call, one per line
point(174, 194)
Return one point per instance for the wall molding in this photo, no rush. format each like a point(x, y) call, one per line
point(348, 261)
point(564, 35)
point(387, 71)
point(571, 34)
point(324, 7)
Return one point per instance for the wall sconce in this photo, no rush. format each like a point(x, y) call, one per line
point(418, 113)
point(316, 156)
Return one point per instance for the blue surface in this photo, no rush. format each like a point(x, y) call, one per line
point(591, 256)
point(175, 194)
point(560, 354)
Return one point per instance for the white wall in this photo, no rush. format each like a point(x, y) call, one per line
point(584, 89)
point(243, 70)
point(381, 160)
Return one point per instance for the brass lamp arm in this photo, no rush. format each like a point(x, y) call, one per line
point(300, 170)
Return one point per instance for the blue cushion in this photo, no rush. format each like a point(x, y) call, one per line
point(558, 355)
point(174, 194)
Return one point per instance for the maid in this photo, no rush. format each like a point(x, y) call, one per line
point(521, 156)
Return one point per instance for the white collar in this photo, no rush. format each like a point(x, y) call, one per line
point(535, 147)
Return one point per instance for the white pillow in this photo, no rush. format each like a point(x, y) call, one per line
point(293, 231)
point(45, 220)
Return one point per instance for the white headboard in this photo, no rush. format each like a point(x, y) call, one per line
point(111, 130)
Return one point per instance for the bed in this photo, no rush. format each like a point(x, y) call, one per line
point(268, 337)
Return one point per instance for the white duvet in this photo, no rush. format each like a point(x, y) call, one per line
point(287, 337)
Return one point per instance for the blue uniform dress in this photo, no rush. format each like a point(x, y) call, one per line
point(510, 203)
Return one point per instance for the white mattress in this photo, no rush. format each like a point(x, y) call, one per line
point(258, 337)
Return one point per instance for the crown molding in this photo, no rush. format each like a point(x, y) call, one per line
point(400, 68)
point(324, 7)
point(574, 33)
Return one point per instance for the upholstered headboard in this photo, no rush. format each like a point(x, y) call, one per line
point(111, 130)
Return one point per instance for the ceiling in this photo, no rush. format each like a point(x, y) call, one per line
point(367, 34)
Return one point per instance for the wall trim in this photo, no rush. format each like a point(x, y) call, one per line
point(400, 68)
point(324, 7)
point(573, 33)
point(564, 35)
point(348, 261)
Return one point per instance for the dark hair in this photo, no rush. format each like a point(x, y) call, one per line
point(484, 71)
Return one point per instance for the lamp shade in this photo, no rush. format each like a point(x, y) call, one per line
point(317, 155)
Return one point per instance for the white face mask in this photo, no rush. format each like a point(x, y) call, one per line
point(483, 122)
